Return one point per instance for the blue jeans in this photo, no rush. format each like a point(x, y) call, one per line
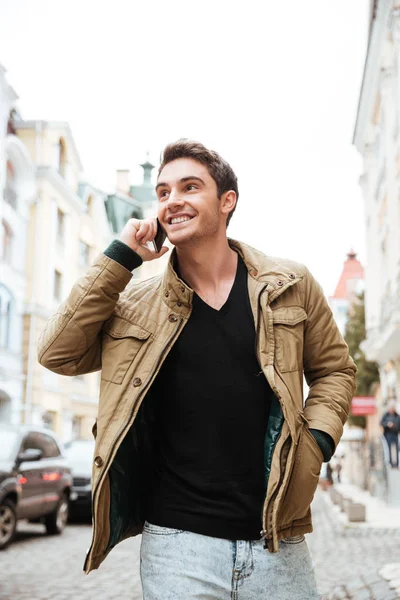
point(179, 565)
point(392, 440)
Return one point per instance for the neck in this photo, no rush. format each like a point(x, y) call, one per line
point(208, 264)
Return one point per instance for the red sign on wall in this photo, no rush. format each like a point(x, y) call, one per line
point(363, 405)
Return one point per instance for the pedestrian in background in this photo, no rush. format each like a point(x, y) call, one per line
point(339, 470)
point(391, 429)
point(204, 443)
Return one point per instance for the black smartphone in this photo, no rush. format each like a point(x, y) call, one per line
point(160, 238)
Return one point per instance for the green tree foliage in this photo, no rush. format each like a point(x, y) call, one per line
point(367, 373)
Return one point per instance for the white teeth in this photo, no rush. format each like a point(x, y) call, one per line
point(179, 220)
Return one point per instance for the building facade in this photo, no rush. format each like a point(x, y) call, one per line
point(17, 193)
point(138, 201)
point(377, 138)
point(68, 227)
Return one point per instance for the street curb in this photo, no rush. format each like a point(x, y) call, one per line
point(359, 529)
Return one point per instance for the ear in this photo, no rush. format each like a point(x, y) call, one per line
point(228, 202)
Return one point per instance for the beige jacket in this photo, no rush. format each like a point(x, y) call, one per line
point(127, 331)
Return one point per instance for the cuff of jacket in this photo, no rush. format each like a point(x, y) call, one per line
point(123, 255)
point(325, 442)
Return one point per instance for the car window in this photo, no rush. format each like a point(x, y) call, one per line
point(52, 450)
point(43, 442)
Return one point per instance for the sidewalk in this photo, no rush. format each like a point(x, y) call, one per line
point(382, 523)
point(379, 516)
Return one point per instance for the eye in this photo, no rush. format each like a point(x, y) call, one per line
point(163, 194)
point(191, 187)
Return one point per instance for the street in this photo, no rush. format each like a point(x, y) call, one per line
point(37, 567)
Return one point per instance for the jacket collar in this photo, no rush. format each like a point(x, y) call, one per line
point(262, 269)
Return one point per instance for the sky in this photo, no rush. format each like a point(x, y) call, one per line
point(272, 86)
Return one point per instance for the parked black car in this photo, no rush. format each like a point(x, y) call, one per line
point(80, 458)
point(35, 480)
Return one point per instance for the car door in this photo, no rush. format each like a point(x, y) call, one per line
point(30, 505)
point(51, 472)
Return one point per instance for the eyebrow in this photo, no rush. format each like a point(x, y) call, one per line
point(183, 180)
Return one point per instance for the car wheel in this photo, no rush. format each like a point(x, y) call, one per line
point(8, 522)
point(56, 521)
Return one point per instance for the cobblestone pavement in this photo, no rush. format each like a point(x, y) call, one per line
point(38, 567)
point(347, 561)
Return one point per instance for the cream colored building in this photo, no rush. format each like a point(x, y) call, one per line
point(68, 227)
point(377, 138)
point(17, 192)
point(138, 201)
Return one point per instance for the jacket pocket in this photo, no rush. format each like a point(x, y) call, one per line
point(121, 344)
point(303, 480)
point(289, 337)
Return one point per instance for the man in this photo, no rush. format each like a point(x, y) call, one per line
point(203, 442)
point(391, 428)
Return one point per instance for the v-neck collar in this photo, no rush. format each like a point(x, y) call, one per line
point(225, 306)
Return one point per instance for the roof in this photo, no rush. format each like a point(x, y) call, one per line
point(352, 269)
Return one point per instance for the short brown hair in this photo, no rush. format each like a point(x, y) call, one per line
point(218, 168)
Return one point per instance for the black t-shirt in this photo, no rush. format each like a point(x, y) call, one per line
point(212, 407)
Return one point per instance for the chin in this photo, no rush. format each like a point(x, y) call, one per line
point(179, 241)
point(181, 238)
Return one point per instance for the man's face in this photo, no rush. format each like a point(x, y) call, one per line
point(188, 205)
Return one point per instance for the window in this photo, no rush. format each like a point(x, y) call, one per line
point(43, 442)
point(10, 195)
point(89, 205)
point(76, 427)
point(60, 225)
point(7, 242)
point(57, 285)
point(6, 311)
point(84, 254)
point(61, 157)
point(51, 449)
point(49, 419)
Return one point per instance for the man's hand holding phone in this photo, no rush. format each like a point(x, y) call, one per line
point(137, 233)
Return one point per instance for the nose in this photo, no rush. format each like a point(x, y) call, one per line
point(174, 200)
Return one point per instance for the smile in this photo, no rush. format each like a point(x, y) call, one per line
point(176, 220)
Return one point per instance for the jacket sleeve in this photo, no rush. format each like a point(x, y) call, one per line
point(384, 420)
point(328, 368)
point(71, 341)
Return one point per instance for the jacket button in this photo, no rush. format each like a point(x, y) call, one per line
point(137, 381)
point(166, 294)
point(255, 273)
point(182, 289)
point(179, 303)
point(292, 276)
point(98, 461)
point(172, 318)
point(280, 283)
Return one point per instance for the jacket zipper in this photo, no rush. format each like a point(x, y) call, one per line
point(134, 412)
point(264, 533)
